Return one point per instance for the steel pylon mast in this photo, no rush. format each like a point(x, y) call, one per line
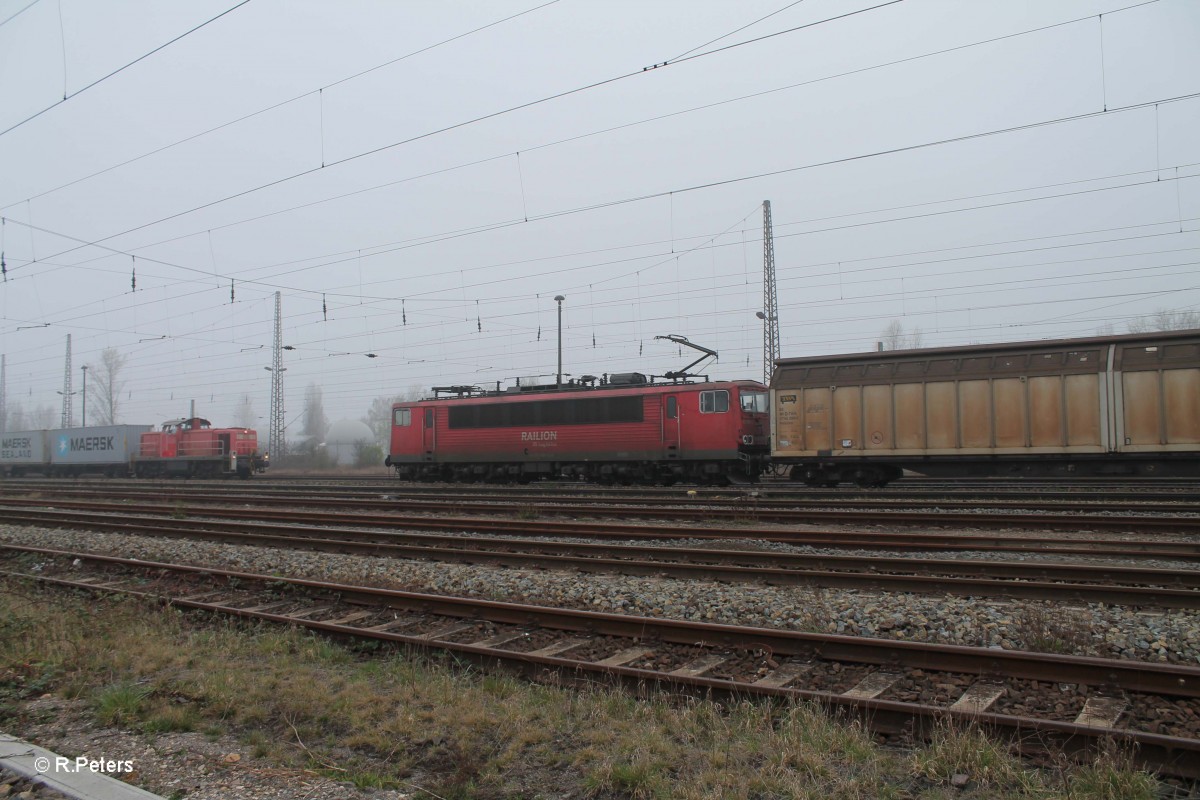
point(68, 416)
point(770, 310)
point(276, 443)
point(3, 394)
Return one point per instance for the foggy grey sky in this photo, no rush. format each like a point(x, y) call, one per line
point(639, 199)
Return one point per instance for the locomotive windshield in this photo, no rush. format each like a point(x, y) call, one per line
point(755, 402)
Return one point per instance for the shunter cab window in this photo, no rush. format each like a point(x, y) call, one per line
point(403, 417)
point(716, 402)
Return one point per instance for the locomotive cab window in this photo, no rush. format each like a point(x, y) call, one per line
point(429, 418)
point(715, 402)
point(754, 402)
point(672, 408)
point(403, 417)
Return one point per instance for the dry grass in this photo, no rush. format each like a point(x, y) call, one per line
point(1049, 629)
point(411, 721)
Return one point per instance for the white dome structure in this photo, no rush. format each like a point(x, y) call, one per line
point(345, 437)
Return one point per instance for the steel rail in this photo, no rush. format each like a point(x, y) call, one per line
point(747, 513)
point(1174, 680)
point(747, 502)
point(975, 541)
point(1169, 754)
point(1158, 588)
point(1180, 495)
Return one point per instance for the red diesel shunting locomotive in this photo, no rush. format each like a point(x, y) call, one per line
point(620, 429)
point(193, 447)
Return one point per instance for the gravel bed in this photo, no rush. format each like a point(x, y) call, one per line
point(14, 786)
point(1093, 629)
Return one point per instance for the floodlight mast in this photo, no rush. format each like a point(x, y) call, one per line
point(685, 373)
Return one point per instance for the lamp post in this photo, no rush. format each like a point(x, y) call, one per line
point(558, 298)
point(84, 368)
point(66, 423)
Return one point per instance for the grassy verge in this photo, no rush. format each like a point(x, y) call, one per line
point(404, 720)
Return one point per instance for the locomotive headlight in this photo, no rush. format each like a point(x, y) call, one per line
point(747, 439)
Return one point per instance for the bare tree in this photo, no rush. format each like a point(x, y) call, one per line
point(894, 337)
point(243, 413)
point(44, 417)
point(379, 415)
point(16, 418)
point(1165, 319)
point(106, 378)
point(315, 421)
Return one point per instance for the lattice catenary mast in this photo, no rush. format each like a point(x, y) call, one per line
point(276, 443)
point(770, 310)
point(68, 416)
point(3, 394)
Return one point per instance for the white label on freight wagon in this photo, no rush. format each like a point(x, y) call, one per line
point(16, 447)
point(68, 444)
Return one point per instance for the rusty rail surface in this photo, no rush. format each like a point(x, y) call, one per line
point(681, 507)
point(833, 538)
point(1110, 584)
point(1173, 755)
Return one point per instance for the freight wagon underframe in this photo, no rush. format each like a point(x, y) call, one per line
point(871, 472)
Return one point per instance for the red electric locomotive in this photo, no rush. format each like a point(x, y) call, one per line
point(620, 429)
point(193, 447)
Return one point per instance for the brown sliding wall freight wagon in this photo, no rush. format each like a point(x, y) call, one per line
point(1115, 405)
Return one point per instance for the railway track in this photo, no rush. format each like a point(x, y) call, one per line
point(745, 510)
point(739, 500)
point(1113, 545)
point(1182, 499)
point(1068, 703)
point(1086, 583)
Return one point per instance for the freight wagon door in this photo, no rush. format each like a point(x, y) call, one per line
point(670, 426)
point(428, 435)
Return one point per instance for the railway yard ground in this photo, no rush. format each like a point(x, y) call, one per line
point(363, 638)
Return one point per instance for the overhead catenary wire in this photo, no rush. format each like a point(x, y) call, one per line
point(478, 119)
point(574, 138)
point(16, 14)
point(684, 236)
point(710, 241)
point(269, 283)
point(67, 96)
point(283, 103)
point(1090, 276)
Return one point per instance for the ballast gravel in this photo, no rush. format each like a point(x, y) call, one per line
point(1091, 629)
